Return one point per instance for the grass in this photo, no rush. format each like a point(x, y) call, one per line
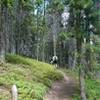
point(72, 72)
point(93, 89)
point(32, 78)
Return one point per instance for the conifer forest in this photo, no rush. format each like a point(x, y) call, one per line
point(49, 49)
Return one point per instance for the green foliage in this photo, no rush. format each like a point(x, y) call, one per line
point(93, 89)
point(76, 97)
point(65, 35)
point(55, 76)
point(38, 2)
point(4, 96)
point(23, 78)
point(27, 4)
point(7, 3)
point(81, 4)
point(56, 7)
point(72, 72)
point(31, 77)
point(42, 69)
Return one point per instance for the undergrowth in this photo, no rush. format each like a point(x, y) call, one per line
point(31, 77)
point(93, 89)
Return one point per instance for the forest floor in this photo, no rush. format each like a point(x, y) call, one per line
point(4, 92)
point(63, 90)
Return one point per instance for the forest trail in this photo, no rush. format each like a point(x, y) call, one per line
point(63, 90)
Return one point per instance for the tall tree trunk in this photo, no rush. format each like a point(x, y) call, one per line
point(71, 53)
point(88, 51)
point(82, 85)
point(79, 46)
point(17, 25)
point(12, 38)
point(82, 73)
point(43, 49)
point(2, 33)
point(37, 48)
point(54, 31)
point(88, 56)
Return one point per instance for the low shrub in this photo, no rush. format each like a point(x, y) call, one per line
point(93, 89)
point(31, 77)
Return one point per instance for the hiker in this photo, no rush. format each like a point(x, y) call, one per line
point(54, 60)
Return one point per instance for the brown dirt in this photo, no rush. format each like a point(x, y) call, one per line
point(63, 90)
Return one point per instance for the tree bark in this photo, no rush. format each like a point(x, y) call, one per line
point(2, 33)
point(71, 53)
point(82, 85)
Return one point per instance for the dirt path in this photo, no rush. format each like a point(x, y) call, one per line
point(62, 90)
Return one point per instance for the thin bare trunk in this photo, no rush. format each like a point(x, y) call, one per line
point(82, 85)
point(2, 33)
